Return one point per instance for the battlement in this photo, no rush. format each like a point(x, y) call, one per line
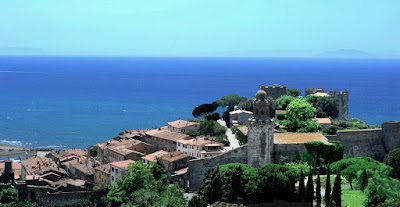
point(274, 91)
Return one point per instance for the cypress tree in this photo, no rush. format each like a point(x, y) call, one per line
point(310, 189)
point(328, 188)
point(364, 180)
point(337, 191)
point(318, 191)
point(300, 196)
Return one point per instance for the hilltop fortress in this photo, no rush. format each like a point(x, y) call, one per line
point(268, 146)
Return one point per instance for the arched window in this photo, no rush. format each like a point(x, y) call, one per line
point(262, 112)
point(257, 111)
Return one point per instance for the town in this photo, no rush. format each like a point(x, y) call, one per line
point(255, 132)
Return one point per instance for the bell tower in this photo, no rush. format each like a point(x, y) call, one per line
point(261, 132)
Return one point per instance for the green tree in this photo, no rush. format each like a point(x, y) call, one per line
point(283, 101)
point(204, 109)
point(213, 117)
point(302, 189)
point(82, 203)
point(246, 105)
point(293, 92)
point(210, 189)
point(171, 197)
point(230, 100)
point(318, 191)
point(337, 190)
point(327, 104)
point(158, 169)
point(393, 159)
point(310, 189)
point(197, 201)
point(328, 188)
point(364, 180)
point(9, 195)
point(298, 112)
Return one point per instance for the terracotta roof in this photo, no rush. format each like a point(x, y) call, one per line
point(74, 182)
point(15, 166)
point(152, 157)
point(66, 153)
point(167, 135)
point(182, 123)
point(322, 120)
point(174, 156)
point(122, 164)
point(194, 142)
point(40, 165)
point(103, 168)
point(241, 112)
point(298, 138)
point(244, 129)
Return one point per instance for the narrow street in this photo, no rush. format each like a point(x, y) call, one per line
point(234, 143)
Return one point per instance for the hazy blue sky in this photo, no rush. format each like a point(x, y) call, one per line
point(199, 28)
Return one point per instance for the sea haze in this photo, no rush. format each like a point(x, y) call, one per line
point(71, 102)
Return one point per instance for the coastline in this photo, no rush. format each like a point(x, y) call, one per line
point(7, 150)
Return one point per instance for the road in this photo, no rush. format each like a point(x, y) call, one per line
point(234, 143)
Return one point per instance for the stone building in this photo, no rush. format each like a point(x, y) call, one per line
point(274, 91)
point(118, 169)
point(199, 147)
point(342, 98)
point(37, 166)
point(164, 139)
point(239, 117)
point(102, 175)
point(182, 126)
point(122, 149)
point(173, 161)
point(310, 91)
point(9, 171)
point(260, 132)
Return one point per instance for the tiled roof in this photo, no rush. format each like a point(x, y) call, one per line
point(15, 166)
point(167, 135)
point(241, 112)
point(174, 156)
point(122, 164)
point(194, 142)
point(182, 123)
point(103, 168)
point(298, 138)
point(320, 94)
point(152, 157)
point(66, 153)
point(322, 120)
point(39, 165)
point(244, 129)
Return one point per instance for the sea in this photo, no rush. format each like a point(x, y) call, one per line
point(75, 102)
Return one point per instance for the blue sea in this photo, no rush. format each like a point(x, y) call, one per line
point(66, 102)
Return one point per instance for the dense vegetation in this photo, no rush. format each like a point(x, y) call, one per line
point(393, 159)
point(320, 155)
point(326, 106)
point(351, 124)
point(372, 178)
point(211, 128)
point(145, 185)
point(299, 116)
point(9, 198)
point(293, 92)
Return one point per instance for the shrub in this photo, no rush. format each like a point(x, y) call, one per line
point(283, 101)
point(393, 159)
point(293, 92)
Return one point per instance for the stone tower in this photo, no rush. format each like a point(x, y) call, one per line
point(342, 98)
point(260, 137)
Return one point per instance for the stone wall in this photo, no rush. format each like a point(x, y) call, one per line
point(361, 143)
point(275, 91)
point(59, 199)
point(288, 152)
point(198, 167)
point(391, 134)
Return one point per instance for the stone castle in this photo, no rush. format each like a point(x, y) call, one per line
point(266, 146)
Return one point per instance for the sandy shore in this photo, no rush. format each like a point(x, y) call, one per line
point(9, 150)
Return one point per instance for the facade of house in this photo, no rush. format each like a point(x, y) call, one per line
point(102, 175)
point(118, 169)
point(182, 126)
point(199, 147)
point(324, 122)
point(239, 117)
point(172, 161)
point(164, 139)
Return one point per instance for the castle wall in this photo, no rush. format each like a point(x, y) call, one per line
point(260, 139)
point(198, 167)
point(288, 152)
point(361, 143)
point(275, 91)
point(342, 98)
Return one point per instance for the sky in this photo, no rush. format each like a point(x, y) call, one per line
point(264, 28)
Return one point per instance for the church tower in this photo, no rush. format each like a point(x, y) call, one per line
point(260, 137)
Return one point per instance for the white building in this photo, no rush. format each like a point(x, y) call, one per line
point(199, 148)
point(118, 169)
point(182, 126)
point(240, 117)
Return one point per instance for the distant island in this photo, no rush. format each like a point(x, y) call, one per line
point(345, 54)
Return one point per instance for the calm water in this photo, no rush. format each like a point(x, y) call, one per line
point(78, 101)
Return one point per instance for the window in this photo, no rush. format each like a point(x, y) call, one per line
point(112, 178)
point(112, 169)
point(116, 170)
point(206, 156)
